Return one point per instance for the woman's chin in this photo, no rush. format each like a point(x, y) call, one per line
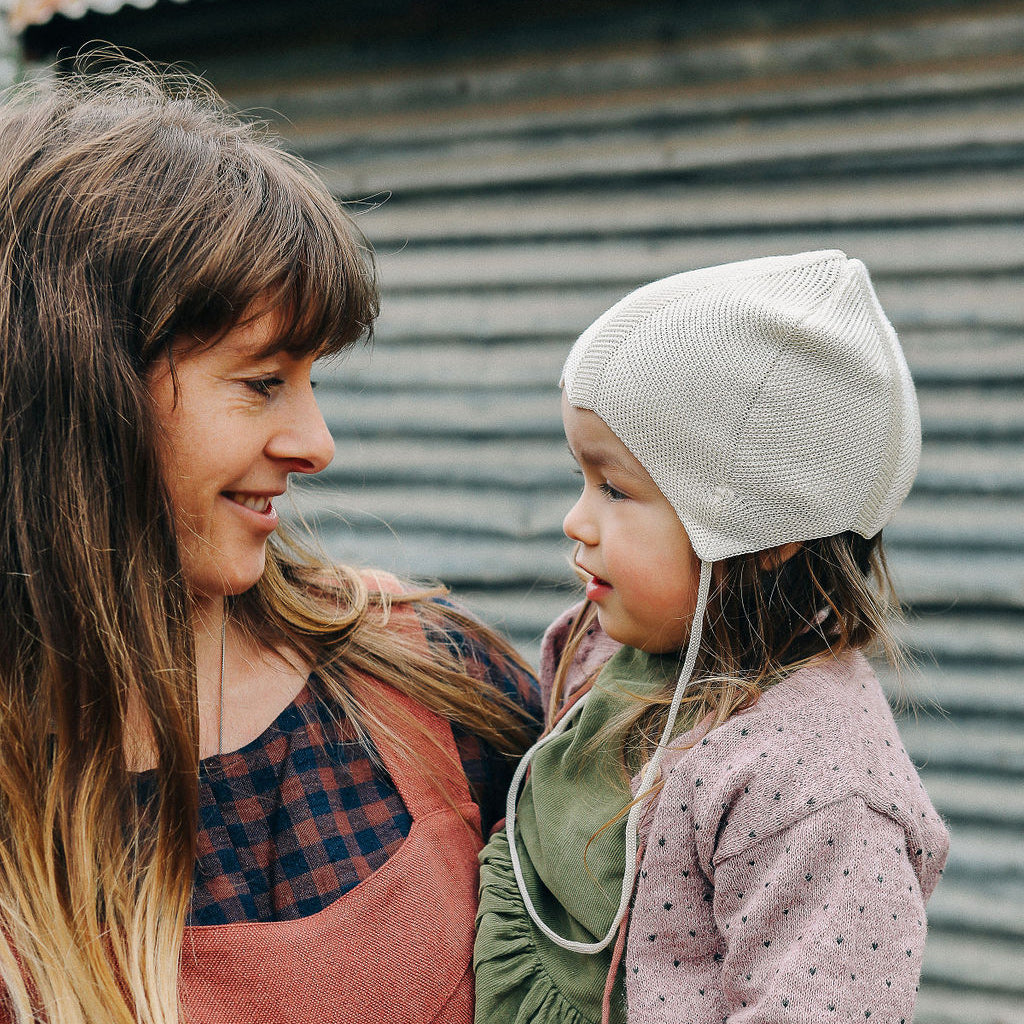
point(212, 587)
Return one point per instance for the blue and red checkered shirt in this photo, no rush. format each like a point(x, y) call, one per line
point(295, 819)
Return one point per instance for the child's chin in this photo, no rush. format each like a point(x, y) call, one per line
point(607, 623)
point(661, 644)
point(619, 632)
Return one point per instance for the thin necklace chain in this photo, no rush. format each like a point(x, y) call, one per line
point(220, 702)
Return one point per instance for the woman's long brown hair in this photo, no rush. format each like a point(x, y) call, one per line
point(136, 210)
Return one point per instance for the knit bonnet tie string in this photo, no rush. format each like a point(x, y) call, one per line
point(647, 781)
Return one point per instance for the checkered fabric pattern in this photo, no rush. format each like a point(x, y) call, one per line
point(301, 815)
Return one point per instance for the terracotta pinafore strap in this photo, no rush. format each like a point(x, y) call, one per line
point(396, 949)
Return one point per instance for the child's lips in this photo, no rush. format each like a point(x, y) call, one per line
point(597, 587)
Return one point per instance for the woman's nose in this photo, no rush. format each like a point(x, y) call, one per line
point(304, 440)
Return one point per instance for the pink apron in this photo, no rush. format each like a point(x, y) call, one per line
point(396, 949)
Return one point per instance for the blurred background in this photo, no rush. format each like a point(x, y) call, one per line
point(520, 166)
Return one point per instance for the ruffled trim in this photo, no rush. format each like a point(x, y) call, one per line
point(512, 984)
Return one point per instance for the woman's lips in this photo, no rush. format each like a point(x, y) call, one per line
point(259, 506)
point(256, 502)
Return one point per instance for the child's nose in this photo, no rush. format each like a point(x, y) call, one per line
point(578, 526)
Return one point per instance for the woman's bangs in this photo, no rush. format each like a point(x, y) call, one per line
point(284, 247)
point(324, 291)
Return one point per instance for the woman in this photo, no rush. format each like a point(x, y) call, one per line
point(229, 789)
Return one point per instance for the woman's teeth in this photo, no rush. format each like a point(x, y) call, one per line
point(257, 502)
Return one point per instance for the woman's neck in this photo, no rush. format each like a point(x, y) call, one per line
point(210, 639)
point(257, 682)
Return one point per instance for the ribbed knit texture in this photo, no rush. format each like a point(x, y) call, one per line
point(768, 399)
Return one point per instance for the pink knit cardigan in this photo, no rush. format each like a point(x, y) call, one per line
point(788, 859)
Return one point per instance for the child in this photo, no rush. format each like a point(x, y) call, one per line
point(744, 433)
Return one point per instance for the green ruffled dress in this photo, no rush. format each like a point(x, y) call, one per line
point(571, 792)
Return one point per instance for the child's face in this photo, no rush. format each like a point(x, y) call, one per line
point(643, 571)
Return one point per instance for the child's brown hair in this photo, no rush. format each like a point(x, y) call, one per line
point(765, 618)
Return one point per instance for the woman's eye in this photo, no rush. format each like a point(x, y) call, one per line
point(611, 493)
point(264, 385)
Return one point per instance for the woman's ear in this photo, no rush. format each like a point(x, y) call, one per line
point(773, 558)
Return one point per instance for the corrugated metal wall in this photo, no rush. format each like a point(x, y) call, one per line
point(526, 194)
point(531, 184)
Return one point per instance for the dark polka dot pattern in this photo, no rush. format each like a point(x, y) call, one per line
point(787, 865)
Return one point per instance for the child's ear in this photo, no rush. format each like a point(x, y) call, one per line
point(775, 557)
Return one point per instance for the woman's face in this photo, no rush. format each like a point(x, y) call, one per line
point(238, 423)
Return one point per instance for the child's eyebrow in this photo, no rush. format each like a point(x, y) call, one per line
point(600, 459)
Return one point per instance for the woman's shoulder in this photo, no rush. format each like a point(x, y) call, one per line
point(448, 626)
point(485, 654)
point(424, 623)
point(490, 660)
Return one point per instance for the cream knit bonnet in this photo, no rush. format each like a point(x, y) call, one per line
point(769, 399)
point(770, 402)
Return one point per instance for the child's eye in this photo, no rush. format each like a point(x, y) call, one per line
point(612, 493)
point(264, 385)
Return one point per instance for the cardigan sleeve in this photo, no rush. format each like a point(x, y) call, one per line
point(823, 921)
point(788, 863)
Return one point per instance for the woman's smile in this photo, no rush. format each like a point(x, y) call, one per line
point(259, 503)
point(237, 418)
